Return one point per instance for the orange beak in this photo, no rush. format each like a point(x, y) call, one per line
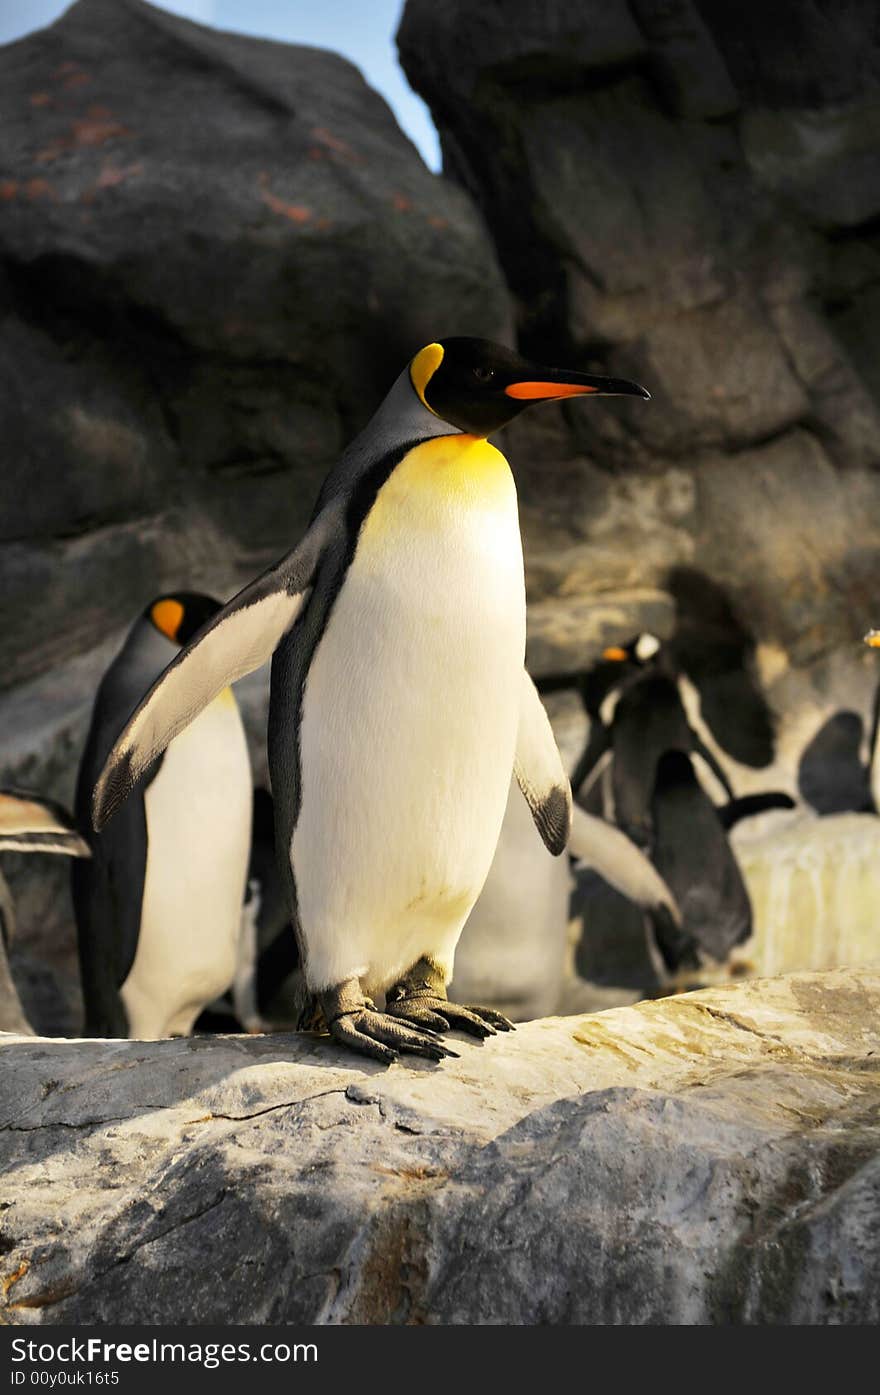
point(559, 383)
point(615, 654)
point(529, 391)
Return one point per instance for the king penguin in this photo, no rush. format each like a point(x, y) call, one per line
point(158, 906)
point(399, 699)
point(28, 823)
point(640, 725)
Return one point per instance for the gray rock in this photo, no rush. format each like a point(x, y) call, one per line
point(794, 55)
point(711, 1158)
point(196, 314)
point(684, 61)
point(813, 564)
point(550, 40)
point(566, 635)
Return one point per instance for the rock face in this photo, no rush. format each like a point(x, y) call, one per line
point(196, 315)
point(711, 1158)
point(690, 200)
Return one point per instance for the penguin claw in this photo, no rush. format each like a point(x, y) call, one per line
point(378, 1035)
point(478, 1021)
point(419, 1016)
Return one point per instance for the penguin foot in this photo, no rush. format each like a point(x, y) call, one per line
point(420, 999)
point(354, 1022)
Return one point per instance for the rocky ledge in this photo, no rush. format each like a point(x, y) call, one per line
point(709, 1158)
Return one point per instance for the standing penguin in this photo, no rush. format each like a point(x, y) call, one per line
point(640, 727)
point(833, 775)
point(399, 702)
point(28, 823)
point(158, 907)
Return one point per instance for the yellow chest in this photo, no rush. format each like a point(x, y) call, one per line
point(442, 485)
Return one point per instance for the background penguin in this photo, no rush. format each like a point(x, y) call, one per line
point(399, 699)
point(265, 993)
point(640, 730)
point(158, 907)
point(28, 823)
point(834, 776)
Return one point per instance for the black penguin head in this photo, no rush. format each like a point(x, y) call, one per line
point(179, 615)
point(618, 666)
point(639, 651)
point(479, 386)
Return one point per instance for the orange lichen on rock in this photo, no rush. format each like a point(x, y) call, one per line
point(13, 1278)
point(94, 129)
point(39, 189)
point(97, 130)
point(295, 212)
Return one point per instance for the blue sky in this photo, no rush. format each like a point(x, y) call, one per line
point(362, 30)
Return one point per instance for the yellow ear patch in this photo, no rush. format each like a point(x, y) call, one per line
point(166, 616)
point(423, 368)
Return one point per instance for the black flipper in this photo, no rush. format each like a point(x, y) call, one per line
point(702, 750)
point(748, 805)
point(831, 775)
point(539, 771)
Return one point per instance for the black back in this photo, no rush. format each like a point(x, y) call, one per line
point(108, 887)
point(649, 720)
point(692, 854)
point(831, 775)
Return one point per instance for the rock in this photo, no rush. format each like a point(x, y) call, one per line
point(567, 635)
point(705, 396)
point(684, 60)
point(546, 41)
point(730, 266)
point(711, 1158)
point(813, 569)
point(196, 315)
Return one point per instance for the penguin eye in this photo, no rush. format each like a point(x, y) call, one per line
point(483, 375)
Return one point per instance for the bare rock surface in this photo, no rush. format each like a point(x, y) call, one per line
point(713, 1157)
point(196, 314)
point(689, 200)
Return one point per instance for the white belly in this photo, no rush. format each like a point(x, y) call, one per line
point(198, 827)
point(409, 721)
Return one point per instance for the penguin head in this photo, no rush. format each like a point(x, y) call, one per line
point(478, 386)
point(618, 666)
point(872, 639)
point(180, 614)
point(639, 651)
